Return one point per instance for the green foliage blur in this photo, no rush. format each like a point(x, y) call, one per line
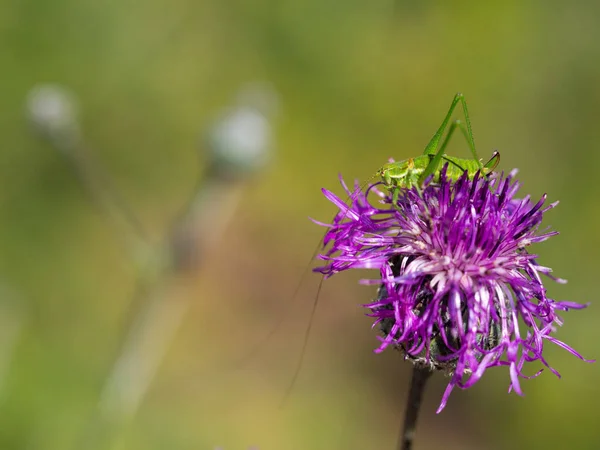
point(359, 82)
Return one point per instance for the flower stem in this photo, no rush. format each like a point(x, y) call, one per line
point(420, 376)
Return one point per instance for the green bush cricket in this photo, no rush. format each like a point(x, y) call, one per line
point(414, 171)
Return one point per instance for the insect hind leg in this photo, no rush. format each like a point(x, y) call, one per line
point(431, 147)
point(440, 154)
point(468, 132)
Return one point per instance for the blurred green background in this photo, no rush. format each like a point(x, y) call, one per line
point(359, 82)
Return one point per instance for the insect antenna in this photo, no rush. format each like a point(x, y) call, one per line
point(307, 331)
point(257, 348)
point(308, 328)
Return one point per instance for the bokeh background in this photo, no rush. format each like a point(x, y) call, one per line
point(358, 82)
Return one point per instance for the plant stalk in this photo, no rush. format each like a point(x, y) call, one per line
point(420, 376)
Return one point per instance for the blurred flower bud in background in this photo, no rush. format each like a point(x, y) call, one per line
point(53, 112)
point(240, 141)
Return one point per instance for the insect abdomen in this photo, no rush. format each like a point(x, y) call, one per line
point(405, 174)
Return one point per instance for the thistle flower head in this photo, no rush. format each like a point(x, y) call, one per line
point(458, 290)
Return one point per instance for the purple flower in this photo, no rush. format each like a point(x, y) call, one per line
point(456, 282)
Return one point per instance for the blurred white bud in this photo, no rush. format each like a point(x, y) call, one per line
point(53, 111)
point(241, 141)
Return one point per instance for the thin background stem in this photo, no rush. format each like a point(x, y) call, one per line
point(156, 313)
